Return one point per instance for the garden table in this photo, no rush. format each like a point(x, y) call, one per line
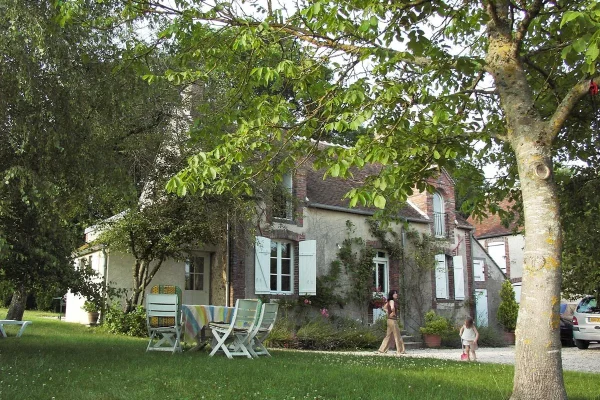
point(195, 319)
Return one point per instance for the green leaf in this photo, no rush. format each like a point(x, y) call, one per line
point(592, 53)
point(335, 170)
point(379, 201)
point(569, 16)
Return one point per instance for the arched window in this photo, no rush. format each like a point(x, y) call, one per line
point(439, 216)
point(283, 206)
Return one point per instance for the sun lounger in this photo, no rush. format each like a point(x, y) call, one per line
point(13, 322)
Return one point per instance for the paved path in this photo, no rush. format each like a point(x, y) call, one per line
point(573, 359)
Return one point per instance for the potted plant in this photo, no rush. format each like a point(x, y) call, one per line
point(93, 310)
point(435, 326)
point(378, 300)
point(508, 310)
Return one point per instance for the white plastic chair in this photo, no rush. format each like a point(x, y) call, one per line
point(164, 322)
point(263, 328)
point(232, 338)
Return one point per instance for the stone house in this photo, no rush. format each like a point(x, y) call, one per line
point(300, 236)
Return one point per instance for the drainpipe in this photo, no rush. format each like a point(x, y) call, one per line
point(403, 273)
point(104, 283)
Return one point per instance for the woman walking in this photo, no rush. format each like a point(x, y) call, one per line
point(391, 309)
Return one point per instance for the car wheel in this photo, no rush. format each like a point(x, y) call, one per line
point(582, 344)
point(567, 342)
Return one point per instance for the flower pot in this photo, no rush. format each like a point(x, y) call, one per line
point(93, 317)
point(377, 304)
point(432, 340)
point(509, 337)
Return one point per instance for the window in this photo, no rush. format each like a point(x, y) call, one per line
point(439, 216)
point(194, 274)
point(282, 198)
point(281, 264)
point(274, 262)
point(497, 251)
point(381, 272)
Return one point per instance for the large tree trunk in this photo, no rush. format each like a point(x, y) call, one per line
point(538, 366)
point(17, 304)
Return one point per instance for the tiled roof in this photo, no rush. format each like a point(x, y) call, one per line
point(492, 226)
point(330, 192)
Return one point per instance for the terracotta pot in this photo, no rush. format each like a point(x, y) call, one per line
point(432, 340)
point(509, 337)
point(93, 318)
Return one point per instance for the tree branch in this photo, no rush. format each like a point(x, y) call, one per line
point(530, 15)
point(566, 106)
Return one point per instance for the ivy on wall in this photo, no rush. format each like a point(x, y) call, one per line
point(355, 256)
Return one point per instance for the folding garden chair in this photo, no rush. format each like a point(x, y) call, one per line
point(261, 331)
point(163, 319)
point(232, 338)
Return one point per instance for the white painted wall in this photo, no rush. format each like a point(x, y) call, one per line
point(119, 275)
point(73, 310)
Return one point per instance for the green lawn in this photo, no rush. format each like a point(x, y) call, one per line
point(58, 360)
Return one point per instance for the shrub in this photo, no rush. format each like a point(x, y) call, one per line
point(131, 324)
point(508, 310)
point(327, 334)
point(282, 334)
point(489, 337)
point(354, 334)
point(318, 334)
point(435, 324)
point(451, 338)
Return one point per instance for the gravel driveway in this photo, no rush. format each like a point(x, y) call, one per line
point(573, 359)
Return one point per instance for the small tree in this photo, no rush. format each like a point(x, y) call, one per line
point(508, 310)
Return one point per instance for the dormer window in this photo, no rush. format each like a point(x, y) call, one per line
point(282, 198)
point(439, 216)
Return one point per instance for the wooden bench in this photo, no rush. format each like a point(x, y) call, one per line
point(13, 322)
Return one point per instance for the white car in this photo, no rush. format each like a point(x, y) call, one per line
point(586, 322)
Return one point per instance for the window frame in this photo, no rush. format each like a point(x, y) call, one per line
point(193, 274)
point(439, 215)
point(285, 204)
point(385, 258)
point(279, 258)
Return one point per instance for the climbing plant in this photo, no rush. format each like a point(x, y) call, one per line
point(415, 275)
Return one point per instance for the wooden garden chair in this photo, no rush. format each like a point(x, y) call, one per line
point(163, 319)
point(261, 331)
point(232, 338)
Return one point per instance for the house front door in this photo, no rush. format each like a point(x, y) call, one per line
point(197, 269)
point(481, 307)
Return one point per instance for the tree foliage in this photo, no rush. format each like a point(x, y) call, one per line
point(579, 201)
point(72, 113)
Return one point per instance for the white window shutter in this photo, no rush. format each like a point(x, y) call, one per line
point(459, 278)
point(262, 265)
point(441, 277)
point(307, 266)
point(478, 274)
